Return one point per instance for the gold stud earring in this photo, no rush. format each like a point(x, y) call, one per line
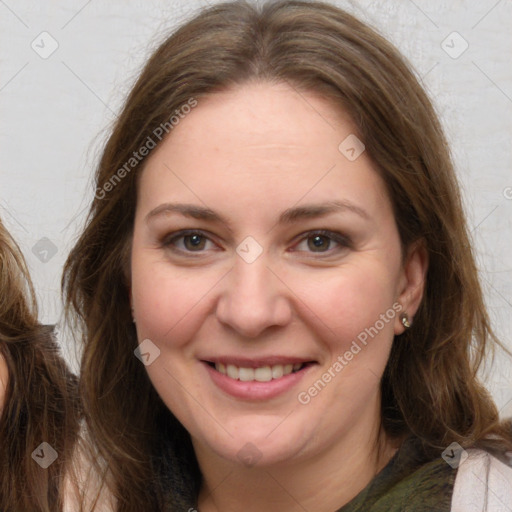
point(405, 320)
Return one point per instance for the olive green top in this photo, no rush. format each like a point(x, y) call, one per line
point(407, 484)
point(410, 482)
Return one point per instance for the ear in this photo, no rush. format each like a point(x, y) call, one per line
point(412, 282)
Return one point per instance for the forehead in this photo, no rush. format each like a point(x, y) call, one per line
point(259, 141)
point(277, 116)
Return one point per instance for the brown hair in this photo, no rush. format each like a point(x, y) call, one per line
point(41, 398)
point(430, 387)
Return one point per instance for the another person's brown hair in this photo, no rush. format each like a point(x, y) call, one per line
point(430, 387)
point(41, 399)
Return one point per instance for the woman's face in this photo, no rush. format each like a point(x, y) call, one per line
point(267, 275)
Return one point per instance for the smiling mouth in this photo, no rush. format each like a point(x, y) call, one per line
point(259, 374)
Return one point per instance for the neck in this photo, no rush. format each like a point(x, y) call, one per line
point(323, 482)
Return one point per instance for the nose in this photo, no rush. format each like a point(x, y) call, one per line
point(254, 299)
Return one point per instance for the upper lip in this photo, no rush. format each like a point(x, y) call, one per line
point(256, 362)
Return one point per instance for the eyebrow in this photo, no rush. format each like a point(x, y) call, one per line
point(289, 216)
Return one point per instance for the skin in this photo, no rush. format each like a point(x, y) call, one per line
point(249, 154)
point(4, 379)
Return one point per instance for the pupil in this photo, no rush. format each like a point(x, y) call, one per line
point(319, 241)
point(194, 240)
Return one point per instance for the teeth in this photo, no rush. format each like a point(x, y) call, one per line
point(261, 374)
point(231, 370)
point(277, 371)
point(246, 374)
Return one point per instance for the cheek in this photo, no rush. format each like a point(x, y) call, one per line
point(171, 305)
point(167, 301)
point(351, 300)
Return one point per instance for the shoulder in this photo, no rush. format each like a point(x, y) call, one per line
point(483, 484)
point(85, 485)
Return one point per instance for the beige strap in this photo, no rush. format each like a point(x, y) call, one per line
point(483, 484)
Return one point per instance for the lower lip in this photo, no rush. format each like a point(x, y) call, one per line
point(255, 390)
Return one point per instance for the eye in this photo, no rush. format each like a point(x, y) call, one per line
point(187, 241)
point(321, 241)
point(195, 241)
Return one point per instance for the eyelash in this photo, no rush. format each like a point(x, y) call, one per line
point(343, 241)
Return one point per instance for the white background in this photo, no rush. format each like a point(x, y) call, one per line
point(55, 113)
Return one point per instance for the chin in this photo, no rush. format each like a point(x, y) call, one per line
point(256, 446)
